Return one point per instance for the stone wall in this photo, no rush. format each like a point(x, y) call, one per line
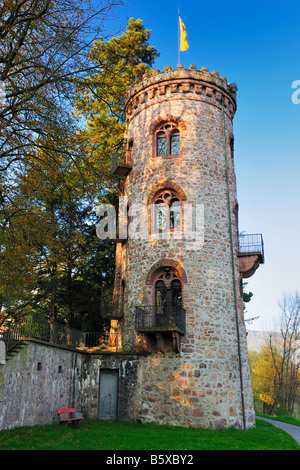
point(192, 391)
point(165, 389)
point(41, 378)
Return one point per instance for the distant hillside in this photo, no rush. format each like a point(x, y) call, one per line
point(256, 339)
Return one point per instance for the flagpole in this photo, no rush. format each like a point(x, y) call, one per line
point(178, 37)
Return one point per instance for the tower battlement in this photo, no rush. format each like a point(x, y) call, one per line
point(205, 85)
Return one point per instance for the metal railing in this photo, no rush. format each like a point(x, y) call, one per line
point(119, 160)
point(152, 318)
point(39, 328)
point(32, 327)
point(108, 341)
point(252, 243)
point(15, 334)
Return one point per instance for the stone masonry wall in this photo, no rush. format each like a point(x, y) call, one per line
point(41, 378)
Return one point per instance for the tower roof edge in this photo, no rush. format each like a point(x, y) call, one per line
point(155, 76)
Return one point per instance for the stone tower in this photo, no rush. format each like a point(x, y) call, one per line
point(177, 272)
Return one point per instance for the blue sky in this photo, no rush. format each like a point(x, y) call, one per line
point(256, 45)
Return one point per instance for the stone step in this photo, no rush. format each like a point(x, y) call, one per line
point(15, 350)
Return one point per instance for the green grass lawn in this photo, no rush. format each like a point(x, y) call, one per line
point(284, 419)
point(101, 435)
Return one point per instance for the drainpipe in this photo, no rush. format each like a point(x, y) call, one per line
point(233, 268)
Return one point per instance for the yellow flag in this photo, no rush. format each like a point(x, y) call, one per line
point(183, 37)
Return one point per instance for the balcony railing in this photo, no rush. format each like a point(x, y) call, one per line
point(150, 318)
point(119, 165)
point(252, 244)
point(39, 328)
point(109, 341)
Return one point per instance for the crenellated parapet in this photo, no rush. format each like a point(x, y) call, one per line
point(191, 83)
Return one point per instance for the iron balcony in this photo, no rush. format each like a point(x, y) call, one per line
point(152, 319)
point(252, 244)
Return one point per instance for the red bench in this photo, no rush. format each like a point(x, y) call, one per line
point(70, 416)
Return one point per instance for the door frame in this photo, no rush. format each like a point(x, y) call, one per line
point(117, 373)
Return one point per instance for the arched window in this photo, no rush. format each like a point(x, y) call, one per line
point(167, 140)
point(167, 292)
point(166, 211)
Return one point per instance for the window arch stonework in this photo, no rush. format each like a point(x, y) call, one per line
point(156, 195)
point(166, 263)
point(166, 290)
point(166, 133)
point(167, 140)
point(166, 211)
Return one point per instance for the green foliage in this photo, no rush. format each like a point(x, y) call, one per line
point(263, 377)
point(247, 296)
point(51, 261)
point(68, 264)
point(281, 411)
point(101, 97)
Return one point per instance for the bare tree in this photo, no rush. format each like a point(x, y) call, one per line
point(44, 48)
point(285, 351)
